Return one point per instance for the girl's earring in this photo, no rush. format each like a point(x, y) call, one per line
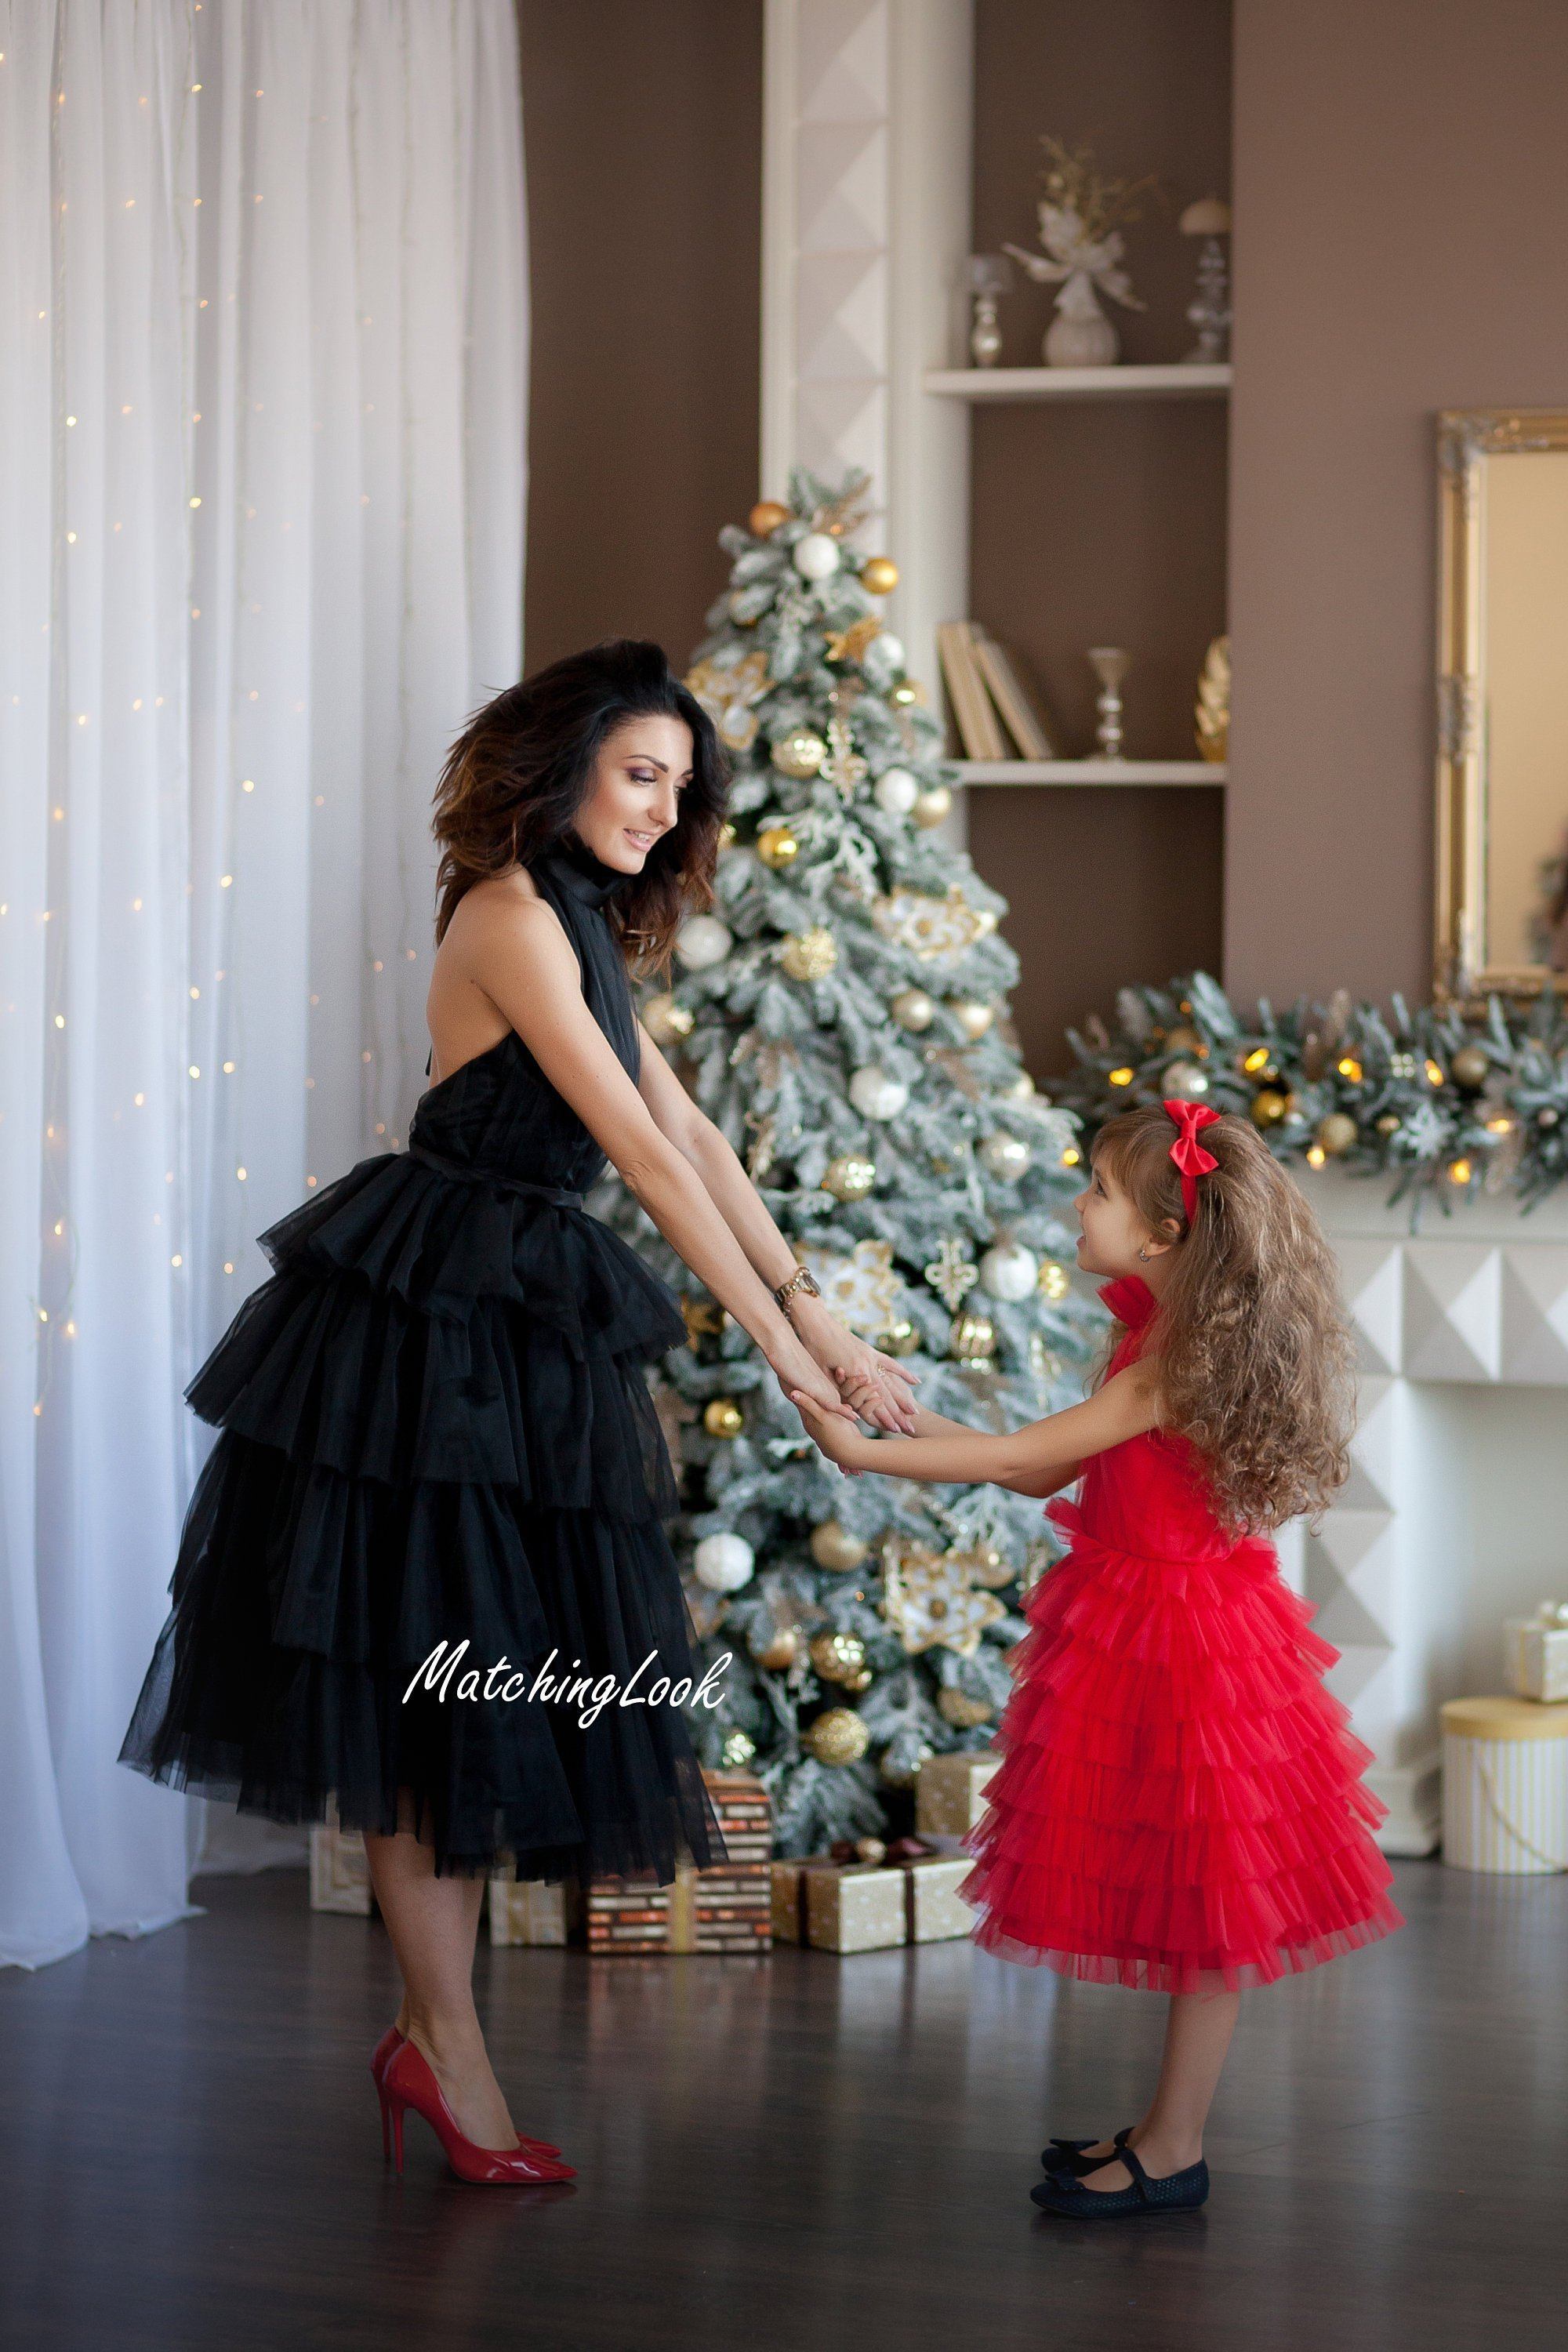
point(1143, 1255)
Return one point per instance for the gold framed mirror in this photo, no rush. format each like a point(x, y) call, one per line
point(1502, 702)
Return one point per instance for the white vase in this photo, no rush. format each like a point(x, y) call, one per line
point(1081, 335)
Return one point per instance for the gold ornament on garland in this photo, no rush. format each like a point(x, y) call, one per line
point(1269, 1106)
point(933, 928)
point(777, 1649)
point(778, 846)
point(900, 1339)
point(1336, 1133)
point(799, 755)
point(666, 1022)
point(809, 955)
point(833, 1547)
point(1470, 1066)
point(848, 1178)
point(766, 517)
point(839, 1657)
point(722, 1417)
point(737, 1751)
point(973, 1339)
point(879, 575)
point(1053, 1281)
point(838, 1737)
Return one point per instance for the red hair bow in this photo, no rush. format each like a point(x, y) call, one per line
point(1188, 1153)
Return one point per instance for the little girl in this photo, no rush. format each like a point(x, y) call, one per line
point(1179, 1805)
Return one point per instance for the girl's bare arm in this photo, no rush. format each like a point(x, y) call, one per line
point(1041, 1457)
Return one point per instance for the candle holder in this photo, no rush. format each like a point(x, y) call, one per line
point(987, 278)
point(1210, 313)
point(1110, 663)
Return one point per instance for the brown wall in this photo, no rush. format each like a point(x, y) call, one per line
point(642, 128)
point(1103, 522)
point(1401, 247)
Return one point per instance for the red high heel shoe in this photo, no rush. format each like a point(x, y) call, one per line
point(391, 2041)
point(406, 2081)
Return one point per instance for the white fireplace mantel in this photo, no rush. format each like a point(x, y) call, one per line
point(1406, 1586)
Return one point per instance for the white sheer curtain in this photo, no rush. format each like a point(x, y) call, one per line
point(263, 346)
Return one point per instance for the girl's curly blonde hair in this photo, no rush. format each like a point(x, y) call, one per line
point(1255, 1355)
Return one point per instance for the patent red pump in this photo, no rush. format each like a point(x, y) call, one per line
point(406, 2081)
point(391, 2040)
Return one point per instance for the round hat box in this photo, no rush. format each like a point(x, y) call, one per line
point(1505, 1785)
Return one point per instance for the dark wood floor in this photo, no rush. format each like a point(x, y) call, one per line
point(798, 2152)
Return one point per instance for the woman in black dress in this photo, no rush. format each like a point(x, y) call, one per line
point(435, 1425)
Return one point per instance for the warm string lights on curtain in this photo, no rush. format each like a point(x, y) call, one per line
point(267, 317)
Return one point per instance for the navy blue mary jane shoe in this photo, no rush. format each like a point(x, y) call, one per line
point(1178, 2192)
point(1069, 2154)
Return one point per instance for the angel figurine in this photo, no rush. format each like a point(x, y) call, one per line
point(1079, 217)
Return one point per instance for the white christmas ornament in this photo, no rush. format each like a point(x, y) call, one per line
point(702, 943)
point(877, 1095)
point(895, 792)
point(887, 649)
point(1008, 1271)
point(1006, 1156)
point(815, 557)
point(723, 1562)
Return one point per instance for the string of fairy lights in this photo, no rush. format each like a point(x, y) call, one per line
point(53, 1304)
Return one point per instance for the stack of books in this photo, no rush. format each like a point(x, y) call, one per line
point(986, 696)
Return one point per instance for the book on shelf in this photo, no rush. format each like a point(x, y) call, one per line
point(1020, 713)
point(987, 694)
point(978, 730)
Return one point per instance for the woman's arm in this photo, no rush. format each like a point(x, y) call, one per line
point(515, 950)
point(878, 1388)
point(1046, 1450)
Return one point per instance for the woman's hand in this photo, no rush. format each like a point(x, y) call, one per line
point(839, 1440)
point(799, 1374)
point(878, 1389)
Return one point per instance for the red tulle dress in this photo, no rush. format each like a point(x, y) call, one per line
point(1179, 1806)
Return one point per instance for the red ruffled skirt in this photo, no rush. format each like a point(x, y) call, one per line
point(1179, 1806)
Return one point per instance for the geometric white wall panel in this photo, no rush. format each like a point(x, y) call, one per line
point(1534, 1341)
point(1453, 1310)
point(1371, 1279)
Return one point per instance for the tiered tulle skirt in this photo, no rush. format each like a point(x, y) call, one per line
point(1179, 1804)
point(436, 1427)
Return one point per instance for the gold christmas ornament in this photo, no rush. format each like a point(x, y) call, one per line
point(737, 1751)
point(838, 1737)
point(879, 575)
point(931, 805)
point(1022, 1086)
point(1183, 1040)
point(833, 1547)
point(799, 755)
point(972, 1016)
point(778, 846)
point(913, 1009)
point(1470, 1066)
point(935, 929)
point(1268, 1107)
point(1336, 1133)
point(929, 1600)
point(849, 644)
point(766, 517)
point(704, 1317)
point(666, 1022)
point(957, 1707)
point(1389, 1123)
point(838, 1657)
point(849, 1179)
point(900, 1339)
point(989, 1566)
point(722, 1417)
point(862, 1288)
point(809, 955)
point(1186, 1080)
point(952, 1273)
point(1053, 1281)
point(972, 1339)
point(778, 1649)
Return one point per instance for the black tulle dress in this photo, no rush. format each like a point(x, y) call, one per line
point(434, 1426)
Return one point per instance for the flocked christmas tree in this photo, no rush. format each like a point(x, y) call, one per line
point(841, 1015)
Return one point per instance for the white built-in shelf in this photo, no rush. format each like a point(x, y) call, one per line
point(1093, 772)
point(1178, 382)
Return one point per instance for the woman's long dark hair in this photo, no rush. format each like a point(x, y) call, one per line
point(516, 775)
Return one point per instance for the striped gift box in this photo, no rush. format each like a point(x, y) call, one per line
point(1505, 1786)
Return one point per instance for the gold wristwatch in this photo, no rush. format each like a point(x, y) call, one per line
point(801, 1279)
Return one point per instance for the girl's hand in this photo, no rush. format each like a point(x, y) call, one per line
point(877, 1387)
point(839, 1439)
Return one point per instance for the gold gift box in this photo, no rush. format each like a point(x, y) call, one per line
point(950, 1791)
point(868, 1907)
point(339, 1873)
